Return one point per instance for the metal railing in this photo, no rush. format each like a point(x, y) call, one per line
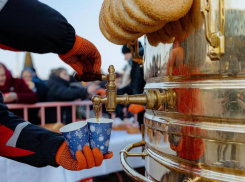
point(57, 105)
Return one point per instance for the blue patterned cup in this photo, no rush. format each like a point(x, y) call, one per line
point(76, 136)
point(100, 133)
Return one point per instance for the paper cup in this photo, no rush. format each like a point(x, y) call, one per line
point(100, 133)
point(76, 136)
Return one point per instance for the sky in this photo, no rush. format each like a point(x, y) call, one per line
point(83, 15)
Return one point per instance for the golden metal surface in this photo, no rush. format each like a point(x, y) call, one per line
point(195, 106)
point(193, 170)
point(216, 39)
point(151, 99)
point(198, 134)
point(130, 171)
point(104, 77)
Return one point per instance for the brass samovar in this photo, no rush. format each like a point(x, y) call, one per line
point(194, 127)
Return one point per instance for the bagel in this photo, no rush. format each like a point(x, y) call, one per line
point(110, 37)
point(113, 28)
point(164, 38)
point(135, 12)
point(137, 26)
point(169, 30)
point(187, 24)
point(174, 29)
point(197, 18)
point(167, 10)
point(178, 29)
point(117, 18)
point(153, 39)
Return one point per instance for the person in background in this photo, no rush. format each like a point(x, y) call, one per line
point(15, 90)
point(35, 27)
point(37, 86)
point(126, 78)
point(120, 109)
point(36, 78)
point(137, 83)
point(59, 89)
point(118, 80)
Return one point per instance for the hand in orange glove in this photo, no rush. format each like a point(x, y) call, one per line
point(101, 92)
point(135, 109)
point(85, 160)
point(83, 57)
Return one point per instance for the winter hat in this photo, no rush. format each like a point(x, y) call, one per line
point(125, 48)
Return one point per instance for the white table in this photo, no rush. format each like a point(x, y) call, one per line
point(11, 171)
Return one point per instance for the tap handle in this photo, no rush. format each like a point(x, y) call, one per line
point(89, 77)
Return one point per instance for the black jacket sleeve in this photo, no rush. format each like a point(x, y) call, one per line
point(35, 27)
point(63, 93)
point(26, 143)
point(137, 83)
point(125, 90)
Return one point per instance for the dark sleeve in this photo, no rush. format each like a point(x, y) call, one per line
point(26, 143)
point(137, 79)
point(137, 83)
point(124, 90)
point(25, 95)
point(41, 91)
point(35, 27)
point(70, 93)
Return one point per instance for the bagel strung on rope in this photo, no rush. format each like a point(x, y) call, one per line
point(196, 15)
point(135, 12)
point(137, 26)
point(109, 37)
point(187, 24)
point(174, 29)
point(167, 10)
point(153, 39)
point(117, 18)
point(169, 30)
point(113, 28)
point(164, 37)
point(178, 29)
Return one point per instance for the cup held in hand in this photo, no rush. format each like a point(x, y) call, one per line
point(100, 133)
point(76, 136)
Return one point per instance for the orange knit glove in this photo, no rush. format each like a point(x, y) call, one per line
point(135, 109)
point(83, 57)
point(101, 92)
point(85, 160)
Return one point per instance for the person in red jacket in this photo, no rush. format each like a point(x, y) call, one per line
point(35, 27)
point(15, 89)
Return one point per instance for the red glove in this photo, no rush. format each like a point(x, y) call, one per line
point(85, 160)
point(83, 57)
point(135, 109)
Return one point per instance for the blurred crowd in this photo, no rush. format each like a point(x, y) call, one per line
point(62, 87)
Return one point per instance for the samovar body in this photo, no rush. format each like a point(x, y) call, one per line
point(200, 135)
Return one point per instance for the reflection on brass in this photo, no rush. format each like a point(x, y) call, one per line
point(104, 77)
point(198, 133)
point(151, 99)
point(126, 151)
point(150, 177)
point(202, 171)
point(135, 52)
point(187, 179)
point(130, 171)
point(216, 39)
point(211, 133)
